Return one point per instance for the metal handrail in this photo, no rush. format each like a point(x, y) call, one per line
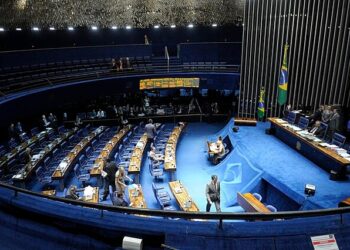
point(185, 68)
point(188, 215)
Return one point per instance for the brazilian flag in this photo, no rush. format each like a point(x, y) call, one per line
point(261, 104)
point(283, 82)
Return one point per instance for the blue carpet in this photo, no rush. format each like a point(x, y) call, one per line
point(257, 155)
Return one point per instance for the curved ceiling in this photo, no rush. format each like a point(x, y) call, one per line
point(120, 13)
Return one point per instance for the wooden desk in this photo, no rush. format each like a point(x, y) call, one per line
point(344, 203)
point(107, 151)
point(250, 204)
point(170, 148)
point(136, 157)
point(26, 172)
point(324, 157)
point(49, 192)
point(137, 200)
point(20, 148)
point(182, 196)
point(64, 167)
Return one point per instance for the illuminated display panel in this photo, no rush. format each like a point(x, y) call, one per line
point(165, 83)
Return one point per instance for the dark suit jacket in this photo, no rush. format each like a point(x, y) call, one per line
point(110, 169)
point(212, 192)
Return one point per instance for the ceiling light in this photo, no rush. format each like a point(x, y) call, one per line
point(18, 29)
point(128, 27)
point(35, 29)
point(173, 26)
point(52, 28)
point(214, 25)
point(2, 29)
point(70, 28)
point(190, 26)
point(156, 26)
point(94, 28)
point(114, 27)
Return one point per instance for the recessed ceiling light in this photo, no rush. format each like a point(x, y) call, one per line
point(35, 29)
point(2, 29)
point(173, 26)
point(214, 25)
point(128, 27)
point(18, 29)
point(70, 28)
point(190, 25)
point(94, 28)
point(156, 26)
point(52, 28)
point(114, 27)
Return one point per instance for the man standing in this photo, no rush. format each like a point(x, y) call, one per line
point(213, 193)
point(150, 130)
point(110, 169)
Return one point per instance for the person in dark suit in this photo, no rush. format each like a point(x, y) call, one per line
point(110, 169)
point(317, 116)
point(334, 122)
point(120, 200)
point(318, 130)
point(213, 193)
point(12, 131)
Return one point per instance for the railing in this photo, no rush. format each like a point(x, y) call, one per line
point(54, 80)
point(248, 216)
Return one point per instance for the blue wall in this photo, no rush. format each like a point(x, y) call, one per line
point(30, 57)
point(181, 234)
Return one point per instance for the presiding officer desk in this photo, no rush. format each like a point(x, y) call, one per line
point(26, 172)
point(182, 197)
point(66, 164)
point(170, 148)
point(310, 146)
point(108, 150)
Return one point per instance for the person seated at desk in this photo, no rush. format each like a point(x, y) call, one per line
point(72, 193)
point(318, 130)
point(120, 200)
point(120, 177)
point(154, 156)
point(218, 149)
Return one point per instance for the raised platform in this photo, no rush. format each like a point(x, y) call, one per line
point(244, 121)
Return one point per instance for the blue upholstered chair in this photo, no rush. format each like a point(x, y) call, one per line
point(291, 117)
point(303, 123)
point(338, 140)
point(257, 196)
point(271, 208)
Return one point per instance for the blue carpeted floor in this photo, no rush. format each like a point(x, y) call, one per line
point(273, 160)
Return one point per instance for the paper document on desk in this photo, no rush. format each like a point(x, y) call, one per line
point(62, 165)
point(178, 190)
point(324, 144)
point(89, 192)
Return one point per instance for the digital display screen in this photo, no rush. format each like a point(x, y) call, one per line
point(165, 83)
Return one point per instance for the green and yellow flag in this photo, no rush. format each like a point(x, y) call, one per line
point(261, 103)
point(283, 81)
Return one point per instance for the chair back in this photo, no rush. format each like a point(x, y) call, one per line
point(324, 126)
point(271, 208)
point(291, 117)
point(303, 123)
point(76, 170)
point(257, 196)
point(338, 139)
